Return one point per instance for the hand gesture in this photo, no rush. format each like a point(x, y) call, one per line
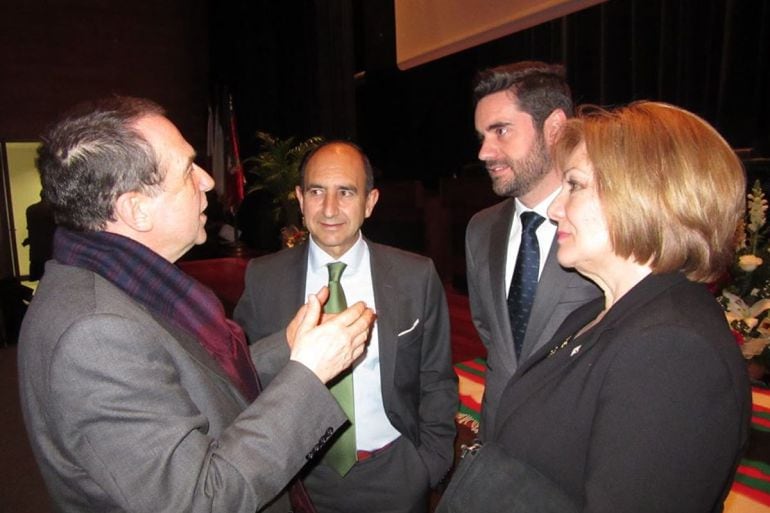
point(330, 347)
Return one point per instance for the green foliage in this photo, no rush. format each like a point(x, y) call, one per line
point(276, 169)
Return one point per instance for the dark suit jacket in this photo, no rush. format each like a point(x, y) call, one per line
point(559, 292)
point(419, 386)
point(125, 412)
point(647, 411)
point(40, 227)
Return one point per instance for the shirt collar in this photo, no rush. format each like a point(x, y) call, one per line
point(318, 258)
point(541, 208)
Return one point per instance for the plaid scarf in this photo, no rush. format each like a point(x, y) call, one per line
point(167, 292)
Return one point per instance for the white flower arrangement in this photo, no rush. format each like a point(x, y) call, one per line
point(746, 295)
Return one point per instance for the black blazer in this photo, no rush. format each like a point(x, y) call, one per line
point(647, 411)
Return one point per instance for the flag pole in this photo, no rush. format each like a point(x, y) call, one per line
point(235, 189)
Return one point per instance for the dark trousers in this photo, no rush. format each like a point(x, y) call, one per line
point(392, 481)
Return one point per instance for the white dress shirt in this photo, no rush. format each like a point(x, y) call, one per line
point(373, 429)
point(545, 234)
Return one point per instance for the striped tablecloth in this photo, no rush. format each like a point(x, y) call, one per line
point(751, 490)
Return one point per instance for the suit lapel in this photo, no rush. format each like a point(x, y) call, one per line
point(498, 256)
point(388, 313)
point(644, 291)
point(197, 352)
point(551, 286)
point(569, 327)
point(295, 282)
point(525, 384)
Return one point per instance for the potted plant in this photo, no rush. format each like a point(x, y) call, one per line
point(275, 169)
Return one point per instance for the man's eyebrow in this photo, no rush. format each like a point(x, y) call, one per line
point(190, 161)
point(493, 126)
point(499, 124)
point(351, 188)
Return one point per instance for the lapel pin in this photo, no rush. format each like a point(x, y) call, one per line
point(576, 350)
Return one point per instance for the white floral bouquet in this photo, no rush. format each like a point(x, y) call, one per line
point(746, 294)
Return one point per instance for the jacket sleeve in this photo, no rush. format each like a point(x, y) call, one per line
point(438, 383)
point(474, 295)
point(265, 330)
point(246, 311)
point(270, 354)
point(147, 446)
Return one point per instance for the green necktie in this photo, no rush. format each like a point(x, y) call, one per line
point(342, 454)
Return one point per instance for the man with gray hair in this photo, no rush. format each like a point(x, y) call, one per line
point(138, 393)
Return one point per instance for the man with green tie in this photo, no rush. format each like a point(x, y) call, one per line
point(402, 393)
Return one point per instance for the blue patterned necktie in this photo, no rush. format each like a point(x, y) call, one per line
point(524, 281)
point(341, 456)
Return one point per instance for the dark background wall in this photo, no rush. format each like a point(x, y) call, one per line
point(55, 53)
point(282, 63)
point(291, 64)
point(327, 67)
point(709, 57)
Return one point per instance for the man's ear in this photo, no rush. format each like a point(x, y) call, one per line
point(133, 209)
point(553, 125)
point(300, 198)
point(371, 201)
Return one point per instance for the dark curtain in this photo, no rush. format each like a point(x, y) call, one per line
point(708, 57)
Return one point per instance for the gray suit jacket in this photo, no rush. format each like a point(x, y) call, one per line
point(559, 292)
point(419, 386)
point(128, 413)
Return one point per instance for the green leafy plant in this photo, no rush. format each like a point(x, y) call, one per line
point(276, 169)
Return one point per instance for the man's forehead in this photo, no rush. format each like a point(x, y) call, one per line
point(336, 152)
point(330, 178)
point(499, 111)
point(152, 125)
point(165, 138)
point(339, 161)
point(500, 100)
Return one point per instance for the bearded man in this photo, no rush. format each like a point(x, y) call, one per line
point(520, 109)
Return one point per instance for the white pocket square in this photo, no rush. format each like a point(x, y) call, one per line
point(416, 322)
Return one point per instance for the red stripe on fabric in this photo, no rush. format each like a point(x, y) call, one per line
point(760, 409)
point(470, 376)
point(752, 493)
point(760, 421)
point(470, 403)
point(470, 412)
point(469, 368)
point(477, 364)
point(753, 472)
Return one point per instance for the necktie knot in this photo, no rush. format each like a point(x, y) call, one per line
point(531, 221)
point(336, 302)
point(335, 271)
